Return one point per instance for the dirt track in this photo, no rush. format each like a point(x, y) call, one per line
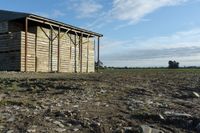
point(111, 101)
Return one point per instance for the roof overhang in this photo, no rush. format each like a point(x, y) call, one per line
point(11, 16)
point(62, 25)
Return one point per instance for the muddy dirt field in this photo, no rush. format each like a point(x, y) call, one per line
point(118, 101)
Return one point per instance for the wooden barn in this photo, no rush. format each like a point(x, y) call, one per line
point(31, 43)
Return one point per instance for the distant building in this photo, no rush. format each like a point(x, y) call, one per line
point(31, 43)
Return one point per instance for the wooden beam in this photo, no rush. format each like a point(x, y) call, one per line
point(36, 59)
point(71, 39)
point(54, 30)
point(66, 32)
point(98, 54)
point(81, 53)
point(87, 58)
point(75, 55)
point(62, 26)
point(45, 33)
point(26, 43)
point(51, 46)
point(58, 67)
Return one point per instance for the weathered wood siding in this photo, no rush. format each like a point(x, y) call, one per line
point(42, 53)
point(54, 51)
point(3, 27)
point(15, 26)
point(91, 63)
point(10, 51)
point(65, 53)
point(47, 52)
point(10, 27)
point(42, 50)
point(30, 52)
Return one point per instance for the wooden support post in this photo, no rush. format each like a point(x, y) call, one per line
point(58, 50)
point(87, 69)
point(81, 53)
point(98, 55)
point(51, 47)
point(26, 43)
point(36, 59)
point(75, 54)
point(95, 53)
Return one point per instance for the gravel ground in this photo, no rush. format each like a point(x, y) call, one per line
point(119, 101)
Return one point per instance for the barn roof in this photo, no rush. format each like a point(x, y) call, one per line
point(10, 15)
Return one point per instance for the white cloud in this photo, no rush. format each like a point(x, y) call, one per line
point(85, 8)
point(134, 10)
point(184, 46)
point(180, 39)
point(131, 11)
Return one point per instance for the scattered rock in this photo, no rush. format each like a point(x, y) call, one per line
point(75, 106)
point(171, 113)
point(60, 130)
point(69, 124)
point(103, 91)
point(128, 129)
point(48, 119)
point(105, 104)
point(31, 130)
point(97, 103)
point(147, 129)
point(1, 127)
point(75, 129)
point(161, 117)
point(11, 119)
point(196, 94)
point(10, 131)
point(59, 123)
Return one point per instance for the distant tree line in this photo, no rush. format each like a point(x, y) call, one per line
point(171, 65)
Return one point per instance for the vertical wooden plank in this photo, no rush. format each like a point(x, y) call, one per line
point(51, 51)
point(75, 54)
point(26, 42)
point(98, 57)
point(36, 61)
point(81, 53)
point(87, 57)
point(58, 50)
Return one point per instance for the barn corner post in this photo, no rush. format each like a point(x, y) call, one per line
point(58, 67)
point(81, 52)
point(98, 53)
point(26, 43)
point(51, 49)
point(75, 46)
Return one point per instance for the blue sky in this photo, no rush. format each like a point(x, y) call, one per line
point(136, 32)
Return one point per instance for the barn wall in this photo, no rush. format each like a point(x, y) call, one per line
point(42, 50)
point(65, 53)
point(10, 51)
point(91, 63)
point(54, 51)
point(15, 26)
point(88, 63)
point(3, 27)
point(30, 52)
point(11, 26)
point(47, 54)
point(41, 55)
